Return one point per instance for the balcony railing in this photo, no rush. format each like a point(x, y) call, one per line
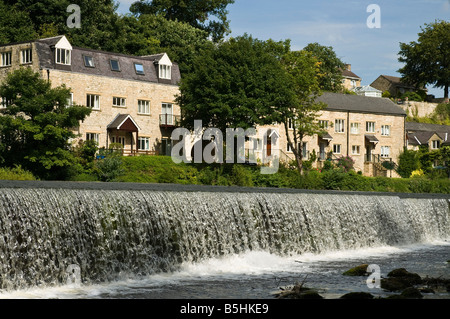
point(169, 120)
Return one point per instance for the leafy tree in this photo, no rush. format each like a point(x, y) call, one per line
point(15, 25)
point(303, 71)
point(150, 34)
point(330, 69)
point(235, 84)
point(197, 13)
point(37, 124)
point(408, 162)
point(427, 61)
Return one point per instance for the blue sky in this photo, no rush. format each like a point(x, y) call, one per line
point(339, 24)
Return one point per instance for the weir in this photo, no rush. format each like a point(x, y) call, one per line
point(108, 230)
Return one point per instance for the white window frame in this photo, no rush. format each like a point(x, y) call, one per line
point(435, 144)
point(337, 148)
point(385, 130)
point(93, 136)
point(70, 100)
point(356, 149)
point(339, 126)
point(164, 108)
point(63, 56)
point(26, 56)
point(165, 71)
point(93, 101)
point(6, 58)
point(354, 128)
point(385, 151)
point(119, 101)
point(143, 107)
point(323, 124)
point(144, 143)
point(370, 127)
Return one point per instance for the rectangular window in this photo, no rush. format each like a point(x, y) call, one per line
point(385, 130)
point(63, 56)
point(305, 150)
point(337, 148)
point(370, 127)
point(115, 65)
point(143, 107)
point(339, 126)
point(290, 124)
point(323, 124)
point(5, 59)
point(26, 56)
point(166, 114)
point(92, 137)
point(385, 151)
point(144, 143)
point(119, 101)
point(93, 100)
point(354, 128)
point(139, 68)
point(70, 100)
point(356, 149)
point(435, 144)
point(88, 61)
point(165, 71)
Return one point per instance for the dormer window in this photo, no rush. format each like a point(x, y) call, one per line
point(165, 71)
point(165, 67)
point(63, 51)
point(115, 65)
point(63, 56)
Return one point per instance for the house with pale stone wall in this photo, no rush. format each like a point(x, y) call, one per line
point(370, 130)
point(132, 97)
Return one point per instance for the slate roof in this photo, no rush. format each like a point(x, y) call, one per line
point(413, 126)
point(45, 51)
point(350, 74)
point(421, 133)
point(360, 104)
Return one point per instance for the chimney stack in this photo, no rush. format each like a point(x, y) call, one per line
point(348, 67)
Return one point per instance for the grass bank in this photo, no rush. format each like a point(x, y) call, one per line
point(161, 169)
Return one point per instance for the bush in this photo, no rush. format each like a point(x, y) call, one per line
point(109, 168)
point(407, 163)
point(17, 174)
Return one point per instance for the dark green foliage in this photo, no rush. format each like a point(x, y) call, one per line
point(234, 84)
point(426, 61)
point(37, 124)
point(408, 162)
point(207, 15)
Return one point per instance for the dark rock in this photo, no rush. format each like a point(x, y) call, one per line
point(310, 295)
point(357, 295)
point(411, 293)
point(400, 279)
point(360, 270)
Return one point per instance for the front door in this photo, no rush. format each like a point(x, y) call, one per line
point(166, 146)
point(322, 154)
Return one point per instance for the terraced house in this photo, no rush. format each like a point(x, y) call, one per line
point(132, 97)
point(370, 130)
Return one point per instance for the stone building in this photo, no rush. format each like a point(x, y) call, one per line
point(431, 136)
point(132, 97)
point(370, 130)
point(392, 84)
point(349, 79)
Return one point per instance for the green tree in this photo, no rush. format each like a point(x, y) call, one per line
point(150, 34)
point(37, 124)
point(197, 13)
point(330, 69)
point(303, 71)
point(235, 84)
point(408, 161)
point(427, 61)
point(15, 25)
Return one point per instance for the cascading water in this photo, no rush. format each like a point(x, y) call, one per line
point(106, 233)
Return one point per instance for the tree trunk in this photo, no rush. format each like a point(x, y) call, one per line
point(446, 91)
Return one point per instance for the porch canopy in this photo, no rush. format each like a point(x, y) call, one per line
point(124, 123)
point(371, 139)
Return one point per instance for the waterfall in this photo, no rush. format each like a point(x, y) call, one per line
point(108, 232)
